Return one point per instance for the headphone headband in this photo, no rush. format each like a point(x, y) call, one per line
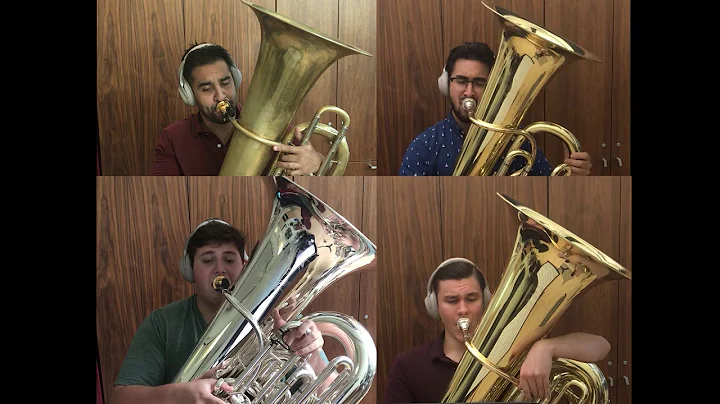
point(448, 262)
point(182, 63)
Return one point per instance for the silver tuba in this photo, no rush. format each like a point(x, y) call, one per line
point(306, 248)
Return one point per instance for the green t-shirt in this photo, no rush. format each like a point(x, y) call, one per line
point(162, 344)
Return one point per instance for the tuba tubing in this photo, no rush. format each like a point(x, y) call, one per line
point(528, 58)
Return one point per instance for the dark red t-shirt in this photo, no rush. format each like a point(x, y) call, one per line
point(420, 375)
point(187, 147)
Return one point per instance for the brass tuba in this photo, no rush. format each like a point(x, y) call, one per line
point(306, 249)
point(528, 58)
point(291, 59)
point(538, 285)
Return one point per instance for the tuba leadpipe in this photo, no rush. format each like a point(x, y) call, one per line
point(291, 59)
point(529, 56)
point(549, 268)
point(306, 248)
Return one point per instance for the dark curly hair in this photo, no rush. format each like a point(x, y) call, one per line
point(472, 51)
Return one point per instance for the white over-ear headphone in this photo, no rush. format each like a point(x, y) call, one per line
point(443, 82)
point(431, 298)
point(186, 268)
point(184, 88)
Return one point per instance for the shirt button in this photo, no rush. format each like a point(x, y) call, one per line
point(219, 145)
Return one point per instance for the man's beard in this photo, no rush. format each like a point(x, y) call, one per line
point(460, 113)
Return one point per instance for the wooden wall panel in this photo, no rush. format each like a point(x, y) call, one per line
point(624, 360)
point(367, 313)
point(478, 225)
point(410, 59)
point(141, 225)
point(579, 98)
point(244, 202)
point(356, 80)
point(140, 47)
point(620, 143)
point(590, 99)
point(410, 236)
point(137, 43)
point(589, 207)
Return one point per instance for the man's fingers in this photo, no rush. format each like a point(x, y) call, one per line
point(533, 387)
point(577, 163)
point(313, 346)
point(305, 328)
point(224, 386)
point(525, 388)
point(545, 386)
point(292, 165)
point(285, 148)
point(287, 157)
point(277, 320)
point(211, 373)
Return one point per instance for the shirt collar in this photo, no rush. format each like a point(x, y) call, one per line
point(436, 349)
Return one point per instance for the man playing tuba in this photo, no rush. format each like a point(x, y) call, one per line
point(457, 289)
point(198, 144)
point(436, 150)
point(167, 337)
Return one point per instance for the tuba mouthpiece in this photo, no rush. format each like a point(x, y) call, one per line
point(223, 108)
point(469, 104)
point(220, 283)
point(463, 324)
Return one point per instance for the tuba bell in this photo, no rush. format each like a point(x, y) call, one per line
point(306, 249)
point(291, 59)
point(528, 58)
point(536, 288)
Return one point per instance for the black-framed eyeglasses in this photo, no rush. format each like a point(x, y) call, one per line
point(463, 81)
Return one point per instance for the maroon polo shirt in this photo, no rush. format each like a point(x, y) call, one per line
point(187, 147)
point(420, 375)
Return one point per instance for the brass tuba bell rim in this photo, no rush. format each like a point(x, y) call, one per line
point(535, 32)
point(307, 28)
point(579, 246)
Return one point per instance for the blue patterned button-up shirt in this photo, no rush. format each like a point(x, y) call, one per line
point(434, 151)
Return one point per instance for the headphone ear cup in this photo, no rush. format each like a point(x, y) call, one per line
point(486, 298)
point(186, 269)
point(431, 306)
point(187, 96)
point(184, 89)
point(237, 76)
point(443, 83)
